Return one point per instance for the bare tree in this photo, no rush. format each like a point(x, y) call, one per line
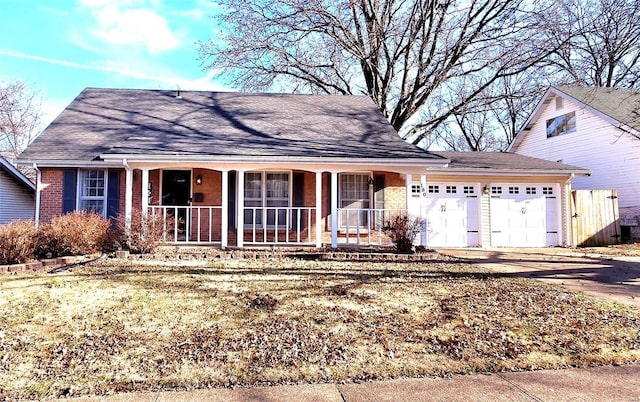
point(19, 118)
point(602, 48)
point(492, 120)
point(406, 55)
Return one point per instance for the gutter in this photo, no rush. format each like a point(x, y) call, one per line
point(38, 193)
point(511, 172)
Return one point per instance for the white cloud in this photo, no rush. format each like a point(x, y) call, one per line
point(116, 23)
point(167, 81)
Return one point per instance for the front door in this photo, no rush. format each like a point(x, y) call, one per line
point(176, 192)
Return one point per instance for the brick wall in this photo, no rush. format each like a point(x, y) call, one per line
point(51, 194)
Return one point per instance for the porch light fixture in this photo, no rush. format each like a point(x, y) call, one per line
point(198, 180)
point(371, 181)
point(485, 190)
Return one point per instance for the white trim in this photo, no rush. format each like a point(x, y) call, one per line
point(18, 174)
point(224, 224)
point(318, 210)
point(508, 172)
point(369, 190)
point(334, 209)
point(128, 197)
point(79, 186)
point(38, 194)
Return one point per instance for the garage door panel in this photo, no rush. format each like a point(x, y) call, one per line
point(519, 216)
point(449, 214)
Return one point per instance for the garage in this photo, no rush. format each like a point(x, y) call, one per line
point(524, 215)
point(451, 212)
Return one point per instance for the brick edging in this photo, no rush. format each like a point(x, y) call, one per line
point(43, 265)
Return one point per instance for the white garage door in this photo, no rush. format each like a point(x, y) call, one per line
point(524, 215)
point(451, 214)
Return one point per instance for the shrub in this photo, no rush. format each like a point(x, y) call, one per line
point(146, 232)
point(17, 242)
point(75, 233)
point(402, 230)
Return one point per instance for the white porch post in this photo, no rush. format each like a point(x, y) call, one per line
point(318, 209)
point(145, 191)
point(225, 209)
point(240, 211)
point(128, 197)
point(409, 182)
point(334, 209)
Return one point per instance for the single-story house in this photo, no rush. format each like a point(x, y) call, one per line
point(17, 194)
point(598, 129)
point(242, 169)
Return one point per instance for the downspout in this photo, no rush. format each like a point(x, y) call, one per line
point(38, 186)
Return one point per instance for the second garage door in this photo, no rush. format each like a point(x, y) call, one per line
point(523, 215)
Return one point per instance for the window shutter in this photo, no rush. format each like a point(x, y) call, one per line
point(69, 191)
point(378, 196)
point(298, 196)
point(232, 201)
point(113, 194)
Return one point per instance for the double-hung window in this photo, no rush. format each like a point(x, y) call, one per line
point(355, 199)
point(266, 196)
point(92, 191)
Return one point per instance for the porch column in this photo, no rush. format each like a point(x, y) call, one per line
point(318, 209)
point(409, 182)
point(224, 225)
point(128, 197)
point(240, 212)
point(334, 209)
point(145, 191)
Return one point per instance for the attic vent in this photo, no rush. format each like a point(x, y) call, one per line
point(559, 103)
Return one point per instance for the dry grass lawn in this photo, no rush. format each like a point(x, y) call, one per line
point(115, 326)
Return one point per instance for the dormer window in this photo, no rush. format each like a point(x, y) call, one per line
point(561, 125)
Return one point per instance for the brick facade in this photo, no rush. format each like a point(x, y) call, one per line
point(210, 188)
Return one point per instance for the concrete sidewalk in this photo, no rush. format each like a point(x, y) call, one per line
point(593, 384)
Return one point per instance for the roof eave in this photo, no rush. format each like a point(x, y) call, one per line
point(17, 174)
point(413, 162)
point(510, 172)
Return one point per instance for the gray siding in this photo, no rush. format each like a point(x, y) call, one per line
point(16, 202)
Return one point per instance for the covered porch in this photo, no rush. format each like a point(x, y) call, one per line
point(265, 205)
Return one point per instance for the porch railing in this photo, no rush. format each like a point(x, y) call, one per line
point(190, 224)
point(279, 225)
point(364, 226)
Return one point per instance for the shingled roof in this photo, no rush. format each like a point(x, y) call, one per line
point(494, 162)
point(158, 123)
point(622, 105)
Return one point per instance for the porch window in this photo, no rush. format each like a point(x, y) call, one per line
point(92, 194)
point(270, 189)
point(355, 197)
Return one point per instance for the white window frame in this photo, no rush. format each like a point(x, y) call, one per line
point(562, 124)
point(354, 222)
point(80, 186)
point(263, 195)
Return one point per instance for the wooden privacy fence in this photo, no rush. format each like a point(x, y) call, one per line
point(595, 217)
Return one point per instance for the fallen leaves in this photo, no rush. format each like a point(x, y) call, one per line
point(140, 325)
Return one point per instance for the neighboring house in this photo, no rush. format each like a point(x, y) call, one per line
point(595, 128)
point(238, 169)
point(17, 194)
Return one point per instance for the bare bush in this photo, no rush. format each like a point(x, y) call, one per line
point(17, 242)
point(76, 233)
point(402, 230)
point(146, 233)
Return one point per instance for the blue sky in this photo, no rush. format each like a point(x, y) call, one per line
point(59, 47)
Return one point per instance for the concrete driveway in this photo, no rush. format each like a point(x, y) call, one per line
point(614, 278)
